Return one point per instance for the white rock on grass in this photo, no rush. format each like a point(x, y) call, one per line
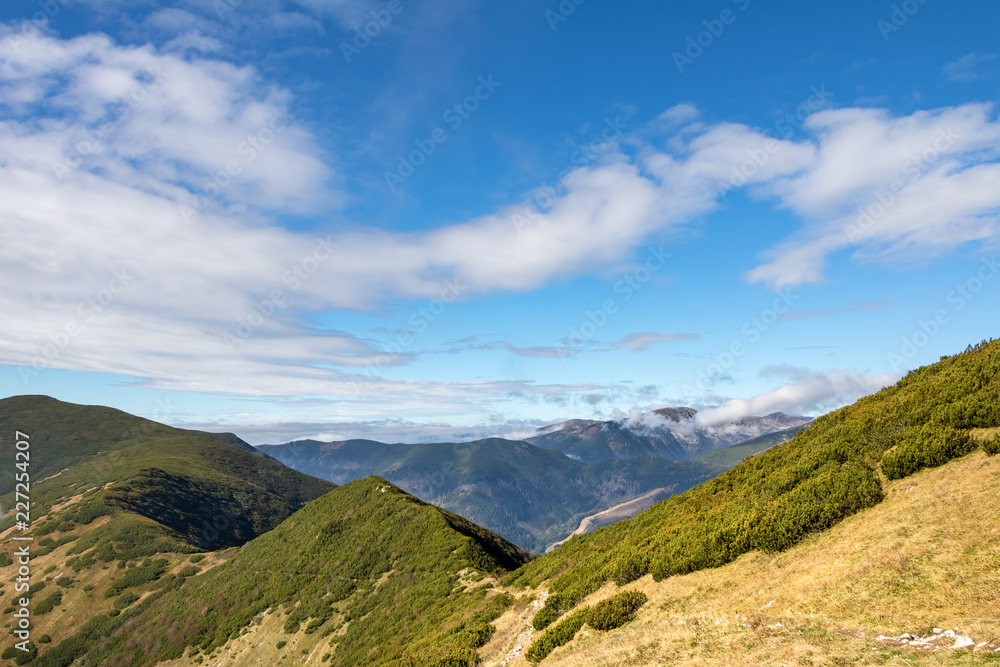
point(962, 641)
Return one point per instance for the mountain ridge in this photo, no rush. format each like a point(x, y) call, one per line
point(671, 432)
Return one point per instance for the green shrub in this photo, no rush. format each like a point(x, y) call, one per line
point(48, 545)
point(616, 611)
point(197, 558)
point(19, 656)
point(628, 567)
point(45, 639)
point(477, 634)
point(292, 624)
point(558, 635)
point(126, 599)
point(458, 658)
point(188, 571)
point(561, 602)
point(136, 576)
point(280, 645)
point(835, 491)
point(544, 617)
point(928, 446)
point(48, 603)
point(65, 582)
point(992, 445)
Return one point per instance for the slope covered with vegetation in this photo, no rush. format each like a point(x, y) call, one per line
point(925, 557)
point(829, 471)
point(369, 570)
point(528, 495)
point(162, 489)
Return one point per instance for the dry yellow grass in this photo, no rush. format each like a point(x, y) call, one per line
point(928, 556)
point(984, 433)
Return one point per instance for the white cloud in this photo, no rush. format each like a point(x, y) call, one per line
point(192, 282)
point(389, 430)
point(890, 187)
point(812, 394)
point(639, 420)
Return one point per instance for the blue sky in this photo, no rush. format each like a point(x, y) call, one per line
point(445, 220)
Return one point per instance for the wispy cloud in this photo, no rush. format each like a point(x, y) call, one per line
point(637, 342)
point(973, 67)
point(795, 315)
point(389, 430)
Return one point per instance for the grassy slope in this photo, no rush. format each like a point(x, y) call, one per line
point(727, 457)
point(371, 573)
point(927, 556)
point(196, 490)
point(770, 502)
point(529, 495)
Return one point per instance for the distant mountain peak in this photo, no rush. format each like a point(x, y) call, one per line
point(570, 423)
point(677, 414)
point(671, 432)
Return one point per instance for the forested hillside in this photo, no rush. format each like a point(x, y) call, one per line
point(528, 495)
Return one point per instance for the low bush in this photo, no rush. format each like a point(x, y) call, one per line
point(48, 603)
point(136, 576)
point(628, 567)
point(992, 446)
point(126, 599)
point(616, 611)
point(561, 602)
point(458, 658)
point(545, 617)
point(928, 446)
point(558, 635)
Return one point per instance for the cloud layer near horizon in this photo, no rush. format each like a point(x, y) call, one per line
point(811, 394)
